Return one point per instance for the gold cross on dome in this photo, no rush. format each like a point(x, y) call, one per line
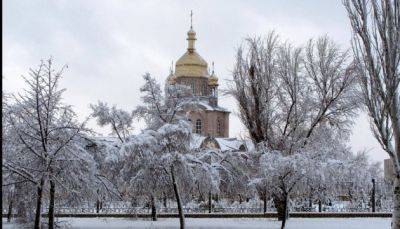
point(191, 19)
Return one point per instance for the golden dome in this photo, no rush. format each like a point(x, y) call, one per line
point(171, 79)
point(213, 80)
point(191, 63)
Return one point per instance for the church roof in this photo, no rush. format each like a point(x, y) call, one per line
point(202, 103)
point(191, 64)
point(224, 144)
point(110, 146)
point(213, 80)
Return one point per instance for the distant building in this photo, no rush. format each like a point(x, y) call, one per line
point(207, 118)
point(388, 169)
point(110, 145)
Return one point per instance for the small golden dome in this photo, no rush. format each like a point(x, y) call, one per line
point(213, 80)
point(171, 78)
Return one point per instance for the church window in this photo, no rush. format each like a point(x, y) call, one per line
point(219, 127)
point(214, 92)
point(198, 126)
point(204, 90)
point(193, 88)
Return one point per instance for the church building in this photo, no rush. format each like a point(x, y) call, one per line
point(208, 119)
point(210, 122)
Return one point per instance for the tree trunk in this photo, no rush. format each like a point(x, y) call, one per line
point(10, 208)
point(396, 136)
point(265, 202)
point(280, 205)
point(98, 202)
point(209, 203)
point(38, 213)
point(97, 206)
point(178, 199)
point(51, 204)
point(281, 201)
point(153, 209)
point(396, 204)
point(165, 201)
point(319, 206)
point(285, 213)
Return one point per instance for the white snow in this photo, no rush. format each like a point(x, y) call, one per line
point(325, 223)
point(229, 143)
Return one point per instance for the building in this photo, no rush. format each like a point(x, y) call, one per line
point(208, 119)
point(210, 122)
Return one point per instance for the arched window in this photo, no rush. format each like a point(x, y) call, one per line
point(198, 126)
point(214, 92)
point(193, 88)
point(219, 127)
point(204, 90)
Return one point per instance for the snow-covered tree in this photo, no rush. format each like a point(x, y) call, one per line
point(208, 174)
point(376, 39)
point(107, 152)
point(48, 139)
point(285, 93)
point(159, 108)
point(119, 120)
point(143, 170)
point(161, 111)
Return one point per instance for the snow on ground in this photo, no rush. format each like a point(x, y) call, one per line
point(294, 223)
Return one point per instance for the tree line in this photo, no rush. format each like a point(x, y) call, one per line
point(297, 103)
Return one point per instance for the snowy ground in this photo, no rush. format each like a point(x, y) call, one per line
point(325, 223)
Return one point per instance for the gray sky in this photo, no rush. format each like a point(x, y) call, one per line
point(109, 45)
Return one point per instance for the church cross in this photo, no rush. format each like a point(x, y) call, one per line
point(191, 19)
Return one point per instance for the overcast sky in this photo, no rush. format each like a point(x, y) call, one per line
point(109, 45)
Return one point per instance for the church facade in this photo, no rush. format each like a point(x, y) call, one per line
point(208, 119)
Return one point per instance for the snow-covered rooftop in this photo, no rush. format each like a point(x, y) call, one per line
point(197, 142)
point(201, 102)
point(224, 144)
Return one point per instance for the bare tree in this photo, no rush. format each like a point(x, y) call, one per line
point(376, 48)
point(286, 93)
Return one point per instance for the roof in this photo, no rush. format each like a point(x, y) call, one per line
point(202, 103)
point(197, 142)
point(224, 144)
point(191, 64)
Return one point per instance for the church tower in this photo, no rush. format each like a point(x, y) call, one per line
point(208, 119)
